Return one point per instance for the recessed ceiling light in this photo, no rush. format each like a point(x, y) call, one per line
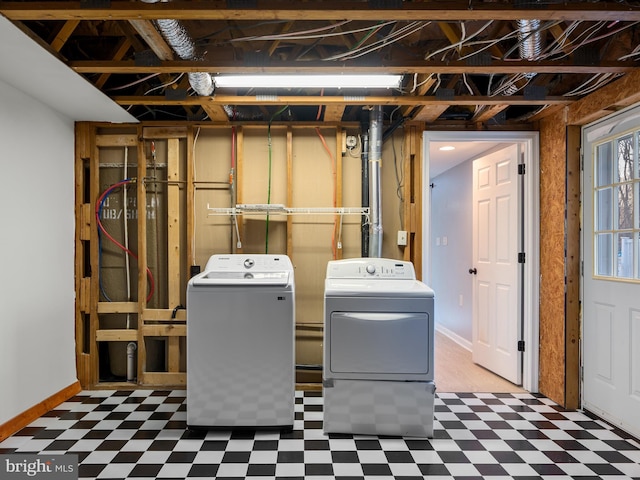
point(314, 81)
point(447, 148)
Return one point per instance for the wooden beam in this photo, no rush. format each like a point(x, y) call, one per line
point(153, 38)
point(572, 269)
point(117, 307)
point(173, 222)
point(63, 34)
point(174, 282)
point(317, 10)
point(484, 115)
point(608, 99)
point(141, 192)
point(164, 330)
point(117, 335)
point(289, 190)
point(163, 314)
point(430, 113)
point(470, 100)
point(216, 113)
point(333, 113)
point(191, 196)
point(424, 85)
point(400, 67)
point(121, 50)
point(164, 378)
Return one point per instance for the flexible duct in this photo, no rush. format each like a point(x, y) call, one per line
point(179, 40)
point(530, 39)
point(375, 160)
point(529, 47)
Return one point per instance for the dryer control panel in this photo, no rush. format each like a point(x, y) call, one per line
point(382, 268)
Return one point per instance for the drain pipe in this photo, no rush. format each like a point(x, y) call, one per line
point(364, 197)
point(375, 160)
point(131, 361)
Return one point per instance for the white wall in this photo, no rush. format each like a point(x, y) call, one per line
point(451, 217)
point(37, 346)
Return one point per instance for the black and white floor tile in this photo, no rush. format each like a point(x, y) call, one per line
point(142, 434)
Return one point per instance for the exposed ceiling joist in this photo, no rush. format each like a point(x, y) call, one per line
point(453, 67)
point(217, 99)
point(463, 61)
point(317, 10)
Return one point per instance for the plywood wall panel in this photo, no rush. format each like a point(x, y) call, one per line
point(552, 254)
point(212, 164)
point(392, 211)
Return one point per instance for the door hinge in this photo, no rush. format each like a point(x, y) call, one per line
point(521, 257)
point(521, 169)
point(521, 345)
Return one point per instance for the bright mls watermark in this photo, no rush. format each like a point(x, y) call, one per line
point(52, 467)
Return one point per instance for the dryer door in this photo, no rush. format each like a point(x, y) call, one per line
point(379, 344)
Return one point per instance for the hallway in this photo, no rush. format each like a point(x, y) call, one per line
point(456, 372)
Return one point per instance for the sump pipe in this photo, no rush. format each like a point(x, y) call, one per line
point(131, 361)
point(375, 189)
point(364, 197)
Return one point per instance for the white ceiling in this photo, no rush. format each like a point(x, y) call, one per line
point(440, 162)
point(30, 68)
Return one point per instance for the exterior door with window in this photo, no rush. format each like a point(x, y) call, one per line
point(611, 254)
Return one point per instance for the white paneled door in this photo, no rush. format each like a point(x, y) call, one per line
point(611, 286)
point(496, 271)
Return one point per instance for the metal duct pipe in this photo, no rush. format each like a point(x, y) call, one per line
point(364, 197)
point(179, 40)
point(375, 189)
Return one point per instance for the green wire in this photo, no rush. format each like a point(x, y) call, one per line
point(266, 239)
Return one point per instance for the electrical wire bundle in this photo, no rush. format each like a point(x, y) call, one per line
point(102, 231)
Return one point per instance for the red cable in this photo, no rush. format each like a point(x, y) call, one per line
point(108, 235)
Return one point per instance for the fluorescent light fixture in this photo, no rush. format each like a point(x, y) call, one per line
point(447, 148)
point(307, 81)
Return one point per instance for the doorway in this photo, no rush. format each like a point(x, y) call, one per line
point(485, 142)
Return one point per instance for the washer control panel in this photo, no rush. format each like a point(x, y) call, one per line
point(382, 268)
point(244, 263)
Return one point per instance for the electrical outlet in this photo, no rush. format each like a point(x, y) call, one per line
point(402, 238)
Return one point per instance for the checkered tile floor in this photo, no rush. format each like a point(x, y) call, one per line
point(142, 434)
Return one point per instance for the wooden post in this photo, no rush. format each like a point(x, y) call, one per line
point(173, 247)
point(191, 191)
point(339, 200)
point(141, 191)
point(289, 190)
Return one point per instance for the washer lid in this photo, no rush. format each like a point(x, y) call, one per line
point(242, 278)
point(354, 287)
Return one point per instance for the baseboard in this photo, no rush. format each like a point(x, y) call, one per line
point(20, 421)
point(463, 342)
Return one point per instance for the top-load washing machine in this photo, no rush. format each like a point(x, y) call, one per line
point(378, 371)
point(240, 343)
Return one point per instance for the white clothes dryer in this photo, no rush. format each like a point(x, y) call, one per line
point(240, 343)
point(378, 372)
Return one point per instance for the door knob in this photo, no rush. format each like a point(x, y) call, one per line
point(473, 271)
